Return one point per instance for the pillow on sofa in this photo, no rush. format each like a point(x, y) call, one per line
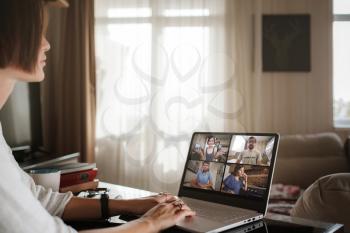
point(327, 199)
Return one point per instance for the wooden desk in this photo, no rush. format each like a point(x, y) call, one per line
point(272, 223)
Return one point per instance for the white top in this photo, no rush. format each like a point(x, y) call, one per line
point(250, 156)
point(24, 206)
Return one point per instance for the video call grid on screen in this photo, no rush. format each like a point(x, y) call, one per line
point(235, 164)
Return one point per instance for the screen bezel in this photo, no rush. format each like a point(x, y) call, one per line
point(252, 203)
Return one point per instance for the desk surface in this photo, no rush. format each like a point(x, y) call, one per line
point(124, 192)
point(272, 223)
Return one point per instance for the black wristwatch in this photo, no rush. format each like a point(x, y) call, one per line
point(104, 205)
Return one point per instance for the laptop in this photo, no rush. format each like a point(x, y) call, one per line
point(227, 179)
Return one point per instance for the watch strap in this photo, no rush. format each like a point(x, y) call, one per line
point(104, 205)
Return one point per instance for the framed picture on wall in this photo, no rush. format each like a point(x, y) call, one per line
point(286, 43)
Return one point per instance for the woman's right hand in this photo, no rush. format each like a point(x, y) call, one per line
point(165, 215)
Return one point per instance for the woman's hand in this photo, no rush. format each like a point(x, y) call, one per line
point(142, 205)
point(245, 181)
point(245, 176)
point(167, 214)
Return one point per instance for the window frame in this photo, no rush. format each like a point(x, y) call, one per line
point(338, 124)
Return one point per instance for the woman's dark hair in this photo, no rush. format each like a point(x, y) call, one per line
point(210, 137)
point(21, 30)
point(236, 169)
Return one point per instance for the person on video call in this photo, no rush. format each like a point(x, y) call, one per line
point(203, 178)
point(197, 153)
point(236, 181)
point(250, 155)
point(210, 151)
point(30, 208)
point(220, 154)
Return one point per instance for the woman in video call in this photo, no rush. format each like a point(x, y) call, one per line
point(236, 181)
point(26, 207)
point(210, 151)
point(220, 154)
point(203, 178)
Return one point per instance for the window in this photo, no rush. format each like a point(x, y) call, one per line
point(162, 73)
point(341, 67)
point(138, 47)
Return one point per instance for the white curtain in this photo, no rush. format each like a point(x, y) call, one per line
point(167, 68)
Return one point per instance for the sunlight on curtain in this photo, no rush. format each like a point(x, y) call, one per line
point(166, 68)
point(163, 72)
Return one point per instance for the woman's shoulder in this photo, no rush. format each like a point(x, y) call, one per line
point(8, 168)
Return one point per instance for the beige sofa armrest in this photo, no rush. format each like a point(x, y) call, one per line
point(328, 199)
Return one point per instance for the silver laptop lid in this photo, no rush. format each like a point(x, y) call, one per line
point(235, 169)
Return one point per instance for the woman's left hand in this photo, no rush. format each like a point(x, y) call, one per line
point(146, 203)
point(245, 176)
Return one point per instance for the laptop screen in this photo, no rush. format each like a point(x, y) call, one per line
point(237, 165)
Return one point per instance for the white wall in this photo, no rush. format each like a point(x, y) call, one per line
point(305, 100)
point(286, 102)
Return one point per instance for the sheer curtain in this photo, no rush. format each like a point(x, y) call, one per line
point(167, 68)
point(163, 71)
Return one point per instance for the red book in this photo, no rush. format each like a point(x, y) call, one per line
point(80, 187)
point(78, 177)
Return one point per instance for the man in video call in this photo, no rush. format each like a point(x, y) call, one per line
point(250, 155)
point(203, 178)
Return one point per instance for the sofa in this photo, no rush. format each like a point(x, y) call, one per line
point(302, 159)
point(327, 199)
point(318, 164)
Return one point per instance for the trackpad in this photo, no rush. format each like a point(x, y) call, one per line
point(197, 223)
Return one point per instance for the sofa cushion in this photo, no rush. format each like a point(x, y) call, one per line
point(328, 199)
point(311, 145)
point(302, 159)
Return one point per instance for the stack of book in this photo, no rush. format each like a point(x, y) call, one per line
point(77, 177)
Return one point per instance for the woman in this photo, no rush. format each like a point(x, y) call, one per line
point(26, 207)
point(210, 151)
point(234, 183)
